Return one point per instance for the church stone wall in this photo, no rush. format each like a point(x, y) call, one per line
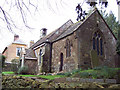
point(69, 63)
point(82, 40)
point(85, 40)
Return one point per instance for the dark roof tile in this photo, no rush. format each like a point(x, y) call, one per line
point(53, 35)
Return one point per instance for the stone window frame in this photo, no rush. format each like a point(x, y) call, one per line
point(97, 42)
point(68, 48)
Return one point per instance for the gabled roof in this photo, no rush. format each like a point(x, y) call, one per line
point(53, 35)
point(75, 26)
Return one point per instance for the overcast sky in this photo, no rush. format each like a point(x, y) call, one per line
point(51, 15)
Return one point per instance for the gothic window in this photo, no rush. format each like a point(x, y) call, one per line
point(40, 56)
point(98, 43)
point(101, 48)
point(68, 48)
point(94, 43)
point(98, 46)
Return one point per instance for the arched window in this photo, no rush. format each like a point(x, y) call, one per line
point(98, 46)
point(68, 48)
point(101, 47)
point(98, 43)
point(94, 44)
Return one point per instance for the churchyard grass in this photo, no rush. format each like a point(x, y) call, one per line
point(8, 72)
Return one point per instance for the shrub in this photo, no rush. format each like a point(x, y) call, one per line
point(84, 74)
point(76, 71)
point(60, 73)
point(109, 72)
point(15, 61)
point(2, 58)
point(14, 65)
point(68, 74)
point(97, 68)
point(23, 70)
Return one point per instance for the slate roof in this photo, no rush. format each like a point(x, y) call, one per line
point(70, 30)
point(30, 53)
point(53, 35)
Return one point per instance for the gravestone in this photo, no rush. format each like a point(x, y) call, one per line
point(94, 58)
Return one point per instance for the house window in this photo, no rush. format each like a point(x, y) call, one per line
point(18, 50)
point(68, 48)
point(98, 43)
point(40, 56)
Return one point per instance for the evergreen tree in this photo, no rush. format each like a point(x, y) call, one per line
point(112, 23)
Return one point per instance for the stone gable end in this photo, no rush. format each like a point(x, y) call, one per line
point(81, 45)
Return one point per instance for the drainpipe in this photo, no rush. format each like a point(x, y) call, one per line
point(23, 58)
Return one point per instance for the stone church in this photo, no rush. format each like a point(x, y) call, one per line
point(86, 44)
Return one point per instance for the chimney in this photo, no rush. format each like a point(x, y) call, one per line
point(16, 37)
point(43, 32)
point(31, 42)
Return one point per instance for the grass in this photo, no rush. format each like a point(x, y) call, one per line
point(50, 77)
point(8, 72)
point(98, 72)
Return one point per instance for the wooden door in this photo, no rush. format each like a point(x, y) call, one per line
point(61, 61)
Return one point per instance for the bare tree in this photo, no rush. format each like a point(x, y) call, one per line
point(22, 7)
point(31, 7)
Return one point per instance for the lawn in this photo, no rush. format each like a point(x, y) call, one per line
point(50, 77)
point(99, 72)
point(9, 72)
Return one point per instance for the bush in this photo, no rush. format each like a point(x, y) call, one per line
point(84, 74)
point(14, 65)
point(60, 73)
point(15, 61)
point(97, 68)
point(23, 70)
point(76, 71)
point(68, 74)
point(2, 58)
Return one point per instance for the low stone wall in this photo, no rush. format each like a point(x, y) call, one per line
point(10, 81)
point(86, 80)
